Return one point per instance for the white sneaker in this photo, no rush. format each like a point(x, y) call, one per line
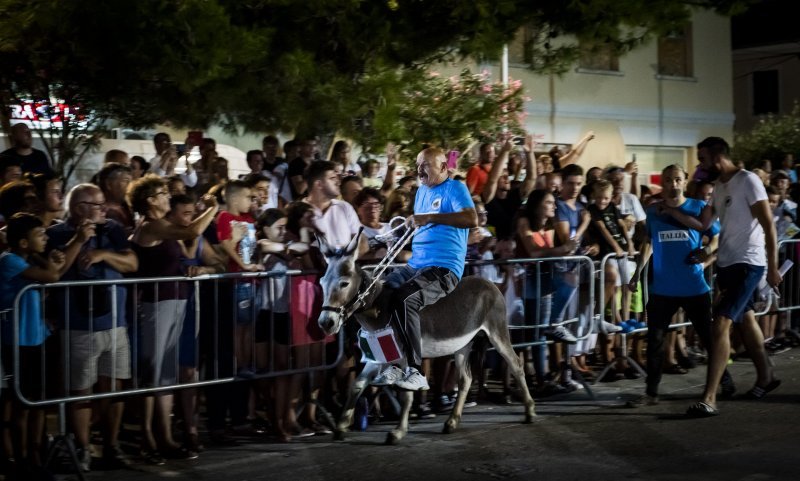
point(413, 381)
point(84, 459)
point(561, 333)
point(388, 376)
point(608, 328)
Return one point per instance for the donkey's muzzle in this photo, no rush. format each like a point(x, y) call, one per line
point(328, 319)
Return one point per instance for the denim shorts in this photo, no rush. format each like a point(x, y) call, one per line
point(247, 302)
point(737, 285)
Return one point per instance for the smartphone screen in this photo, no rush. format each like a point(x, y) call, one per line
point(452, 159)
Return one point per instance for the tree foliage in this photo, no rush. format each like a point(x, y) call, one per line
point(772, 138)
point(305, 66)
point(451, 112)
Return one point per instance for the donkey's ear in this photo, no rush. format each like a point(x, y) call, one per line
point(352, 247)
point(324, 247)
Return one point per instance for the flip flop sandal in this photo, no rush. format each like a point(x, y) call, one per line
point(759, 392)
point(701, 410)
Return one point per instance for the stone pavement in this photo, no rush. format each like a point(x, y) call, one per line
point(574, 437)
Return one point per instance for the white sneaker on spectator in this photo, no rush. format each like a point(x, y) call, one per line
point(388, 376)
point(608, 328)
point(84, 459)
point(561, 333)
point(413, 381)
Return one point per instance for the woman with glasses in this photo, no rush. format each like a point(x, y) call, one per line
point(369, 205)
point(163, 305)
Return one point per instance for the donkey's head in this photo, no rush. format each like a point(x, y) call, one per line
point(340, 284)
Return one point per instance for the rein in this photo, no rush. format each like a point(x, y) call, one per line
point(357, 302)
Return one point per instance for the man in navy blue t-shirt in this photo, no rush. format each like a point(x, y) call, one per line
point(444, 211)
point(677, 281)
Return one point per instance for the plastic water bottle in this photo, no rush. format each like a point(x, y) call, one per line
point(361, 420)
point(247, 246)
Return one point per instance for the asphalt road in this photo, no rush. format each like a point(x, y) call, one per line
point(574, 437)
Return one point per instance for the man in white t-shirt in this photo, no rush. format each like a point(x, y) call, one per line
point(335, 219)
point(633, 215)
point(740, 201)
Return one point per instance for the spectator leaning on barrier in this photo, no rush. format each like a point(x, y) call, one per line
point(741, 203)
point(678, 280)
point(239, 203)
point(162, 306)
point(535, 239)
point(95, 248)
point(20, 266)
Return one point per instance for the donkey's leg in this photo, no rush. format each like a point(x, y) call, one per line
point(369, 372)
point(395, 435)
point(501, 342)
point(464, 383)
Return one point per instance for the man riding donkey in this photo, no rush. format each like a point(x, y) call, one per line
point(455, 311)
point(444, 213)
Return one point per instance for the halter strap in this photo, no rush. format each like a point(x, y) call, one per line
point(357, 302)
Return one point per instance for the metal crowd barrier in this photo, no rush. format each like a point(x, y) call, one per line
point(789, 289)
point(155, 326)
point(212, 322)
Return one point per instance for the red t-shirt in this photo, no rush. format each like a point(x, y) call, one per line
point(225, 222)
point(477, 175)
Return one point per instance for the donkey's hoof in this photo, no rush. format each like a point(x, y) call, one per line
point(392, 438)
point(339, 435)
point(530, 413)
point(451, 425)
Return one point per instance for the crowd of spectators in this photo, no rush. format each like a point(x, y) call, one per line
point(150, 218)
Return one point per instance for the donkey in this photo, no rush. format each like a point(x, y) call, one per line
point(448, 327)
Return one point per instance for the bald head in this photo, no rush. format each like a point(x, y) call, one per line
point(81, 193)
point(432, 166)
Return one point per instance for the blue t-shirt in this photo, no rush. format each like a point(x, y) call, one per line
point(437, 245)
point(672, 243)
point(32, 330)
point(565, 213)
point(110, 236)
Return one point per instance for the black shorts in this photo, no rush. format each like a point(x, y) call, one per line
point(31, 369)
point(273, 326)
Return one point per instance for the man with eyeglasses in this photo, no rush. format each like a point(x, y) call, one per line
point(96, 334)
point(369, 206)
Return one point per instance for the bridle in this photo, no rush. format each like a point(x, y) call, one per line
point(364, 290)
point(350, 306)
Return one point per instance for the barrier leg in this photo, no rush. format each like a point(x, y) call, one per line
point(577, 376)
point(64, 441)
